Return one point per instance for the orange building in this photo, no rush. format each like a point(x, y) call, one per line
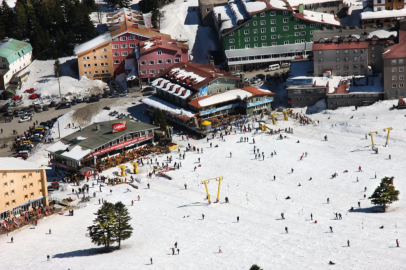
point(95, 59)
point(23, 186)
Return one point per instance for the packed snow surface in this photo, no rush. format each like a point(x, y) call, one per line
point(224, 97)
point(321, 17)
point(166, 106)
point(167, 213)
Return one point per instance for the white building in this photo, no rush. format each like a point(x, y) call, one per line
point(15, 55)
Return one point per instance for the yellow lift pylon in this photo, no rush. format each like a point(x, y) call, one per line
point(387, 137)
point(372, 138)
point(273, 118)
point(219, 179)
point(285, 114)
point(122, 167)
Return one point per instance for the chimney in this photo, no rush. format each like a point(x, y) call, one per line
point(301, 8)
point(322, 18)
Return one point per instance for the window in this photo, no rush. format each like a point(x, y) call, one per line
point(297, 34)
point(338, 67)
point(25, 186)
point(373, 55)
point(273, 29)
point(262, 14)
point(152, 71)
point(168, 61)
point(401, 77)
point(303, 26)
point(263, 22)
point(144, 72)
point(231, 40)
point(124, 53)
point(296, 27)
point(255, 38)
point(207, 9)
point(247, 46)
point(311, 32)
point(394, 85)
point(131, 37)
point(84, 65)
point(123, 38)
point(232, 47)
point(116, 61)
point(337, 59)
point(7, 204)
point(320, 52)
point(246, 32)
point(320, 59)
point(263, 30)
point(393, 62)
point(372, 48)
point(401, 61)
point(320, 67)
point(345, 51)
point(263, 37)
point(176, 60)
point(31, 184)
point(123, 46)
point(247, 39)
point(132, 45)
point(355, 66)
point(12, 182)
point(231, 34)
point(95, 64)
point(151, 62)
point(256, 45)
point(116, 54)
point(286, 42)
point(345, 67)
point(394, 77)
point(362, 51)
point(355, 51)
point(255, 31)
point(143, 63)
point(160, 61)
point(115, 46)
point(273, 21)
point(273, 36)
point(312, 25)
point(84, 58)
point(355, 58)
point(298, 41)
point(273, 13)
point(93, 50)
point(361, 58)
point(94, 57)
point(401, 85)
point(394, 69)
point(286, 28)
point(6, 194)
point(265, 44)
point(401, 69)
point(104, 50)
point(254, 23)
point(285, 20)
point(159, 52)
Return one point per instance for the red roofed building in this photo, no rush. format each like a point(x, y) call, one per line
point(159, 53)
point(394, 72)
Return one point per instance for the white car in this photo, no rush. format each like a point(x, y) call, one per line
point(24, 119)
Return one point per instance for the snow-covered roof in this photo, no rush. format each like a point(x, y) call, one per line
point(184, 73)
point(228, 20)
point(253, 6)
point(278, 4)
point(16, 164)
point(383, 14)
point(166, 106)
point(148, 44)
point(99, 40)
point(382, 34)
point(308, 2)
point(238, 10)
point(224, 97)
point(319, 81)
point(171, 88)
point(321, 17)
point(76, 153)
point(58, 146)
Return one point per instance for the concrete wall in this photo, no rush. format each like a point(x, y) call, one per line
point(21, 187)
point(221, 85)
point(394, 75)
point(305, 97)
point(361, 99)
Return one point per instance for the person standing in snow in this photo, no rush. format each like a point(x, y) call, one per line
point(359, 169)
point(283, 216)
point(397, 242)
point(331, 229)
point(348, 243)
point(238, 219)
point(132, 203)
point(176, 245)
point(286, 229)
point(359, 204)
point(49, 231)
point(231, 154)
point(173, 251)
point(274, 177)
point(150, 260)
point(12, 239)
point(185, 186)
point(292, 170)
point(202, 216)
point(311, 216)
point(48, 257)
point(139, 197)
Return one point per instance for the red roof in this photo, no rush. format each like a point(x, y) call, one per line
point(397, 50)
point(339, 46)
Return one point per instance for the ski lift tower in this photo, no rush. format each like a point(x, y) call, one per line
point(387, 137)
point(372, 138)
point(219, 179)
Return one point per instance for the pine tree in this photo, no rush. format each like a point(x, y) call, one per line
point(102, 233)
point(385, 193)
point(123, 229)
point(57, 68)
point(159, 119)
point(255, 267)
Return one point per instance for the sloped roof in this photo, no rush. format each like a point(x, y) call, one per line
point(95, 42)
point(339, 46)
point(161, 43)
point(397, 50)
point(13, 49)
point(16, 164)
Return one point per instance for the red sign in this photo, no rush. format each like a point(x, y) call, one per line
point(120, 145)
point(120, 126)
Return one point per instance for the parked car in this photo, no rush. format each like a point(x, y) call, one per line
point(115, 95)
point(18, 113)
point(94, 98)
point(53, 103)
point(74, 102)
point(122, 95)
point(86, 99)
point(147, 89)
point(38, 108)
point(36, 138)
point(33, 96)
point(9, 112)
point(24, 119)
point(31, 90)
point(63, 105)
point(21, 155)
point(45, 108)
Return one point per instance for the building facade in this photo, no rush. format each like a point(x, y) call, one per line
point(382, 18)
point(157, 54)
point(206, 10)
point(256, 34)
point(350, 52)
point(15, 55)
point(379, 5)
point(394, 72)
point(23, 186)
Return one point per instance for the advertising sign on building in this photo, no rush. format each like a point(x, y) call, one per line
point(121, 145)
point(120, 126)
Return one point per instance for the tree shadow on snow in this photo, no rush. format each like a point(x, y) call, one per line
point(373, 209)
point(84, 252)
